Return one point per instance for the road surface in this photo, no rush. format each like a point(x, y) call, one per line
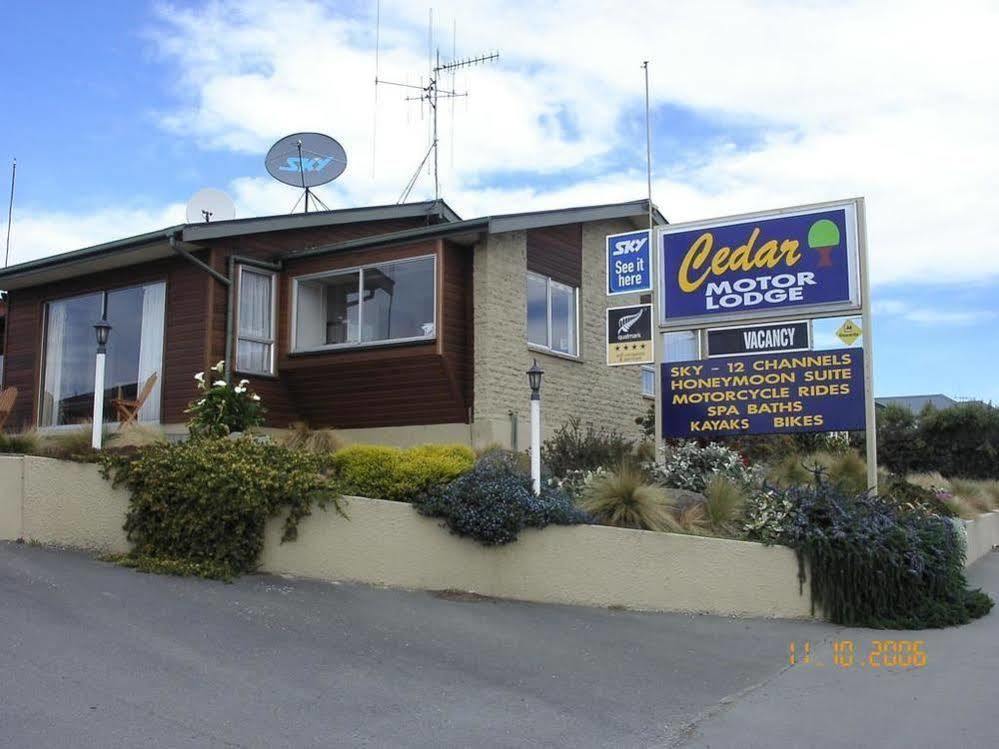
point(92, 655)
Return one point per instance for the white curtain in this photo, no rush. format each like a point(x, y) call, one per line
point(255, 308)
point(151, 347)
point(56, 336)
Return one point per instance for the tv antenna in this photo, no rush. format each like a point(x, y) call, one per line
point(306, 160)
point(429, 93)
point(209, 204)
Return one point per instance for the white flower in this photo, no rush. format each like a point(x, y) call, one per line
point(244, 383)
point(200, 377)
point(239, 390)
point(219, 384)
point(255, 397)
point(201, 402)
point(220, 366)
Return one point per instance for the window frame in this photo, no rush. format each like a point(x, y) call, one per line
point(103, 291)
point(360, 344)
point(547, 348)
point(272, 341)
point(650, 368)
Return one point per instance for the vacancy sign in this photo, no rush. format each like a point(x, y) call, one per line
point(629, 263)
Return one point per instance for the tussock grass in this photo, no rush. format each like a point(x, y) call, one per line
point(320, 441)
point(136, 435)
point(24, 443)
point(724, 501)
point(623, 499)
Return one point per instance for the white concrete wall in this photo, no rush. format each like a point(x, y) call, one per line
point(388, 543)
point(981, 535)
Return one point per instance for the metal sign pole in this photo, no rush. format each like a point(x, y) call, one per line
point(657, 336)
point(870, 416)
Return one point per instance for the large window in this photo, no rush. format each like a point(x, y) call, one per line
point(376, 304)
point(134, 353)
point(552, 320)
point(255, 337)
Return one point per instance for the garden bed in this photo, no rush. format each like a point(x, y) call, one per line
point(388, 543)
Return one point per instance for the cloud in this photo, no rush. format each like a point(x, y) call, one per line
point(805, 102)
point(926, 315)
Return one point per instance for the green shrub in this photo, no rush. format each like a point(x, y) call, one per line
point(961, 441)
point(301, 437)
point(623, 499)
point(495, 501)
point(915, 497)
point(900, 447)
point(689, 466)
point(402, 475)
point(201, 505)
point(222, 408)
point(573, 448)
point(872, 563)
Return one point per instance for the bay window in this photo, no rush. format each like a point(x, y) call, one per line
point(552, 315)
point(255, 327)
point(389, 302)
point(134, 352)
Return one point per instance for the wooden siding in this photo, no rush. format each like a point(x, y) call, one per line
point(187, 293)
point(416, 383)
point(394, 385)
point(557, 251)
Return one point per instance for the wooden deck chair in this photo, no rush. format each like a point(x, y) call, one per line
point(128, 410)
point(7, 398)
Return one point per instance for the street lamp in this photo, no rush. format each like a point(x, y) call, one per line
point(534, 379)
point(102, 329)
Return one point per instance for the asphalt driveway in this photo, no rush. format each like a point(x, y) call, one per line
point(95, 655)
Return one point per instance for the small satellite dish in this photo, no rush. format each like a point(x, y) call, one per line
point(209, 205)
point(306, 160)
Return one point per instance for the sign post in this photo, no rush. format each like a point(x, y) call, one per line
point(766, 275)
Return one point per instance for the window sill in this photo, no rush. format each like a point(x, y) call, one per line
point(239, 374)
point(353, 347)
point(556, 354)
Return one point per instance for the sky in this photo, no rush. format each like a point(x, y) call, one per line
point(118, 111)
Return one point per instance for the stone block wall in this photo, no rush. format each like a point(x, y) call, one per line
point(585, 387)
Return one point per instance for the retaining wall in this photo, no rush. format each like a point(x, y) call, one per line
point(388, 543)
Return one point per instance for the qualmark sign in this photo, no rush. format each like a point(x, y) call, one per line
point(760, 266)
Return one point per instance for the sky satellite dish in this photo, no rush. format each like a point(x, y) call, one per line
point(306, 160)
point(210, 205)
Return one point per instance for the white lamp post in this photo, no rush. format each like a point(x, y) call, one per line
point(103, 329)
point(534, 378)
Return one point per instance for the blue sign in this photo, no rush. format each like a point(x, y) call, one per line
point(629, 263)
point(747, 268)
point(813, 391)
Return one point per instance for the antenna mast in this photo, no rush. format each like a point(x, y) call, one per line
point(10, 212)
point(430, 94)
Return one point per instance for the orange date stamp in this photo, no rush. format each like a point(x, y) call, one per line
point(878, 654)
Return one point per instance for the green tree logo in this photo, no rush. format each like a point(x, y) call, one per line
point(824, 237)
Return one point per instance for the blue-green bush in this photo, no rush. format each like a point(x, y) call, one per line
point(494, 502)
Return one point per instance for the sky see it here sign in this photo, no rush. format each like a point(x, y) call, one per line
point(629, 263)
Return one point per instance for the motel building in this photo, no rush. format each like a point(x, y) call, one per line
point(396, 324)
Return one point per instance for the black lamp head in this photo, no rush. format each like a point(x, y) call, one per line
point(534, 378)
point(103, 329)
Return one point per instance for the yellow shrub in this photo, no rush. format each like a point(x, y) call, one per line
point(391, 473)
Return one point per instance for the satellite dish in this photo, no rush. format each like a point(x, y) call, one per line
point(306, 160)
point(209, 205)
